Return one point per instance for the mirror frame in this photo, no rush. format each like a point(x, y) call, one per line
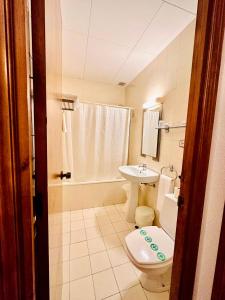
point(157, 108)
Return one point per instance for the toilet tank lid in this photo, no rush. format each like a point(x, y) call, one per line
point(150, 245)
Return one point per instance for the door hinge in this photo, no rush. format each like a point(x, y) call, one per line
point(180, 201)
point(38, 207)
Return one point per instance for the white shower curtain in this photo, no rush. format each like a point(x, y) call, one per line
point(95, 141)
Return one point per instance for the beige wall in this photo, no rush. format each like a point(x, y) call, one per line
point(214, 200)
point(94, 91)
point(54, 88)
point(167, 78)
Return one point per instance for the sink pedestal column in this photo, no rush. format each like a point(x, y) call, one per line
point(132, 202)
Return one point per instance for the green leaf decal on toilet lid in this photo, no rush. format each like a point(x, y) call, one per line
point(161, 256)
point(154, 247)
point(143, 232)
point(148, 239)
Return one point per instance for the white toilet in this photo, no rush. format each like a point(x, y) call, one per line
point(151, 248)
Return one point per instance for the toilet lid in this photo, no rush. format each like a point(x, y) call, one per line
point(150, 245)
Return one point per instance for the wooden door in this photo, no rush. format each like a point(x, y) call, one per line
point(46, 53)
point(16, 211)
point(40, 144)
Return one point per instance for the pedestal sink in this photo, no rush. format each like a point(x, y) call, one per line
point(136, 175)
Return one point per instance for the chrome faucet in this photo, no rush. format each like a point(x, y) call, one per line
point(143, 166)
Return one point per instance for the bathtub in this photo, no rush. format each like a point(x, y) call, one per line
point(79, 195)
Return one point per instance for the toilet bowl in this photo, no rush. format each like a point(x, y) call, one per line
point(151, 248)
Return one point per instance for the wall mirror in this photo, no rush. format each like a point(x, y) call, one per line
point(150, 133)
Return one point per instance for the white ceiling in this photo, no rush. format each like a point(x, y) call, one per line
point(114, 40)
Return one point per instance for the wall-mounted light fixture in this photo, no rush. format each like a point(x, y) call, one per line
point(153, 103)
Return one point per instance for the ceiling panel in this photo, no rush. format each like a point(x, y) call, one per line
point(190, 5)
point(114, 40)
point(73, 53)
point(121, 21)
point(104, 59)
point(75, 15)
point(136, 62)
point(167, 24)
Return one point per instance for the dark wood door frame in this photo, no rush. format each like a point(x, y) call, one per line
point(16, 227)
point(201, 109)
point(218, 291)
point(40, 125)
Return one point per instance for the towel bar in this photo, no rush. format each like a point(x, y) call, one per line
point(171, 169)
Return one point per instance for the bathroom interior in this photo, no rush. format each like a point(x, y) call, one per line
point(115, 145)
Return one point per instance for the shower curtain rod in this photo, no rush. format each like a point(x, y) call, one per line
point(104, 104)
point(73, 99)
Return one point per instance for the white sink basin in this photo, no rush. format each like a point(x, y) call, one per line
point(138, 174)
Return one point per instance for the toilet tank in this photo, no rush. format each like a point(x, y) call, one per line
point(168, 215)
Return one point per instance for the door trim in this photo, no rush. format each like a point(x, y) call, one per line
point(40, 125)
point(16, 211)
point(200, 118)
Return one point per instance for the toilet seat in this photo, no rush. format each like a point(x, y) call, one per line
point(150, 246)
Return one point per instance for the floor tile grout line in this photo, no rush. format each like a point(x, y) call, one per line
point(92, 278)
point(118, 283)
point(111, 223)
point(105, 250)
point(110, 268)
point(82, 277)
point(115, 281)
point(131, 288)
point(100, 236)
point(111, 296)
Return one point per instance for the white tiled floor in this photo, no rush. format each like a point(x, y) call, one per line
point(89, 260)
